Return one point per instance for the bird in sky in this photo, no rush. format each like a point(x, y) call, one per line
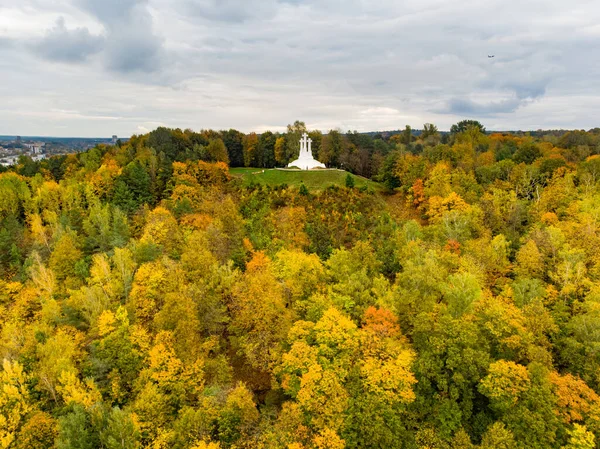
point(491, 56)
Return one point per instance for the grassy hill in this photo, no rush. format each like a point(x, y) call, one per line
point(313, 179)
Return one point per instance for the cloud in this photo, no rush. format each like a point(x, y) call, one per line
point(134, 48)
point(523, 94)
point(237, 11)
point(462, 106)
point(71, 46)
point(231, 10)
point(6, 42)
point(252, 64)
point(131, 42)
point(112, 11)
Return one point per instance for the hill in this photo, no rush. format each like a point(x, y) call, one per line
point(313, 180)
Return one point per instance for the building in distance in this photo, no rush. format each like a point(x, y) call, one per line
point(35, 147)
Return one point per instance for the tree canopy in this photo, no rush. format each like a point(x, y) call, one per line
point(150, 299)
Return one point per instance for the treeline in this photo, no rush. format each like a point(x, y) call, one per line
point(371, 155)
point(148, 299)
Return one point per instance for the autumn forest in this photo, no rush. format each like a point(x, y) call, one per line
point(150, 298)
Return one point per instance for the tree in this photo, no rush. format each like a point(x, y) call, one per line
point(233, 141)
point(527, 153)
point(280, 151)
point(332, 148)
point(64, 259)
point(252, 158)
point(464, 124)
point(388, 174)
point(106, 228)
point(407, 135)
point(461, 291)
point(77, 430)
point(292, 140)
point(14, 401)
point(39, 432)
point(301, 274)
point(260, 317)
point(266, 143)
point(580, 438)
point(349, 181)
point(355, 280)
point(429, 130)
point(120, 431)
point(314, 374)
point(238, 417)
point(529, 261)
point(217, 152)
point(504, 384)
point(498, 436)
point(163, 231)
point(132, 188)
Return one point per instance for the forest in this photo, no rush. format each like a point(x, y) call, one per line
point(150, 299)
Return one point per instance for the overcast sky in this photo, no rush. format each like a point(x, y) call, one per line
point(103, 67)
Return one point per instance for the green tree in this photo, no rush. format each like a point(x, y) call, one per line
point(132, 188)
point(498, 437)
point(217, 152)
point(349, 181)
point(233, 141)
point(266, 144)
point(464, 124)
point(77, 431)
point(120, 432)
point(332, 148)
point(429, 130)
point(407, 135)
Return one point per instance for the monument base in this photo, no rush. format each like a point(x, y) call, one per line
point(306, 164)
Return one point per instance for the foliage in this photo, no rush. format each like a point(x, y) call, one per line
point(441, 291)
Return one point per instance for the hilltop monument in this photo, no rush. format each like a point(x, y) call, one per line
point(306, 161)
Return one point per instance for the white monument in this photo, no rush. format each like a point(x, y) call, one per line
point(306, 161)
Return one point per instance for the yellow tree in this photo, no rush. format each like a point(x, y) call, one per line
point(63, 260)
point(289, 227)
point(260, 316)
point(529, 261)
point(250, 143)
point(14, 401)
point(57, 357)
point(280, 150)
point(151, 283)
point(238, 418)
point(580, 438)
point(39, 432)
point(301, 274)
point(162, 230)
point(314, 370)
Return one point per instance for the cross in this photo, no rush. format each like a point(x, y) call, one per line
point(304, 143)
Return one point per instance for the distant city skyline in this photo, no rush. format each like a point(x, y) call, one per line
point(96, 68)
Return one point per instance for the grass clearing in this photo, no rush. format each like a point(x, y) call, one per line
point(312, 179)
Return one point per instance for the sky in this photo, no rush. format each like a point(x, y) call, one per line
point(94, 68)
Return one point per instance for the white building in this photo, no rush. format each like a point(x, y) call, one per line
point(9, 160)
point(35, 147)
point(306, 161)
